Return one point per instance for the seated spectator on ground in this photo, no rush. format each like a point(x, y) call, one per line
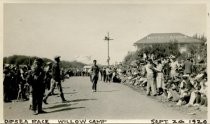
point(116, 77)
point(185, 90)
point(194, 94)
point(172, 90)
point(201, 100)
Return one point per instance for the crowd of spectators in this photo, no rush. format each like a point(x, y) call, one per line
point(180, 81)
point(15, 81)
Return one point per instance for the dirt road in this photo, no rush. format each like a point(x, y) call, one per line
point(112, 101)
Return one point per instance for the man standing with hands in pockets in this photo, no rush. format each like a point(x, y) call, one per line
point(94, 75)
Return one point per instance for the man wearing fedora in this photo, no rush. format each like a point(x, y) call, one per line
point(55, 81)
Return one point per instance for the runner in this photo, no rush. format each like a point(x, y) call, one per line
point(56, 80)
point(94, 75)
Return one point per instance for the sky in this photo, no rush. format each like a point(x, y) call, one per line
point(77, 31)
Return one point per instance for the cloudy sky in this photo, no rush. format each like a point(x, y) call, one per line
point(76, 31)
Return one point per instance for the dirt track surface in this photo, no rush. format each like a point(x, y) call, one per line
point(112, 101)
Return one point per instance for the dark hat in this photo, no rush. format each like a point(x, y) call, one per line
point(142, 61)
point(150, 60)
point(201, 61)
point(57, 57)
point(39, 60)
point(193, 75)
point(24, 68)
point(6, 67)
point(159, 61)
point(203, 68)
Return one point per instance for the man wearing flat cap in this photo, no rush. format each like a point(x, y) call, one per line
point(56, 80)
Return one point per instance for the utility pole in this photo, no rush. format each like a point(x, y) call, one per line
point(107, 38)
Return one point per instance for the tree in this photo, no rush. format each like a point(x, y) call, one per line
point(130, 57)
point(202, 50)
point(158, 50)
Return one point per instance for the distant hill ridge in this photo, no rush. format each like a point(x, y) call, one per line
point(28, 60)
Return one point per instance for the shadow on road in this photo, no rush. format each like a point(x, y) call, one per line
point(65, 87)
point(108, 91)
point(78, 100)
point(60, 105)
point(71, 93)
point(65, 109)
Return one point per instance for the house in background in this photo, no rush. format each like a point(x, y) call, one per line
point(163, 38)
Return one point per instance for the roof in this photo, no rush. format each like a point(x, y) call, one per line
point(166, 38)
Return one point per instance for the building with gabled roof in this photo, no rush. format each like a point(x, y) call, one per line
point(166, 38)
point(162, 38)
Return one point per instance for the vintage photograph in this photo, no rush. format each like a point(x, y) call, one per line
point(108, 61)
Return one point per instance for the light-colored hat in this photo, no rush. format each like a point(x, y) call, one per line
point(185, 75)
point(172, 57)
point(48, 63)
